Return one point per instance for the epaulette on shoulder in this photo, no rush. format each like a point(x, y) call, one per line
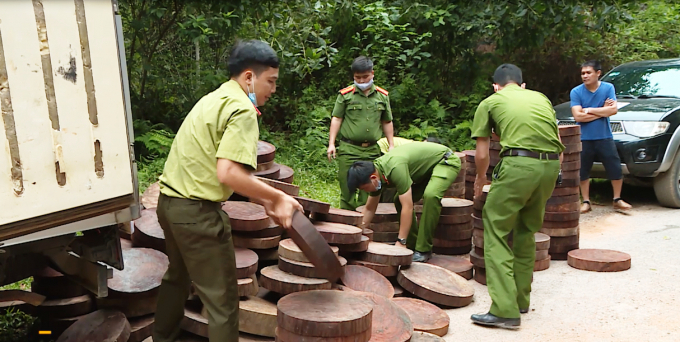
point(382, 91)
point(347, 90)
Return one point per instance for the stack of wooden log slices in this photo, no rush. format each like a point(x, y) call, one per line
point(348, 238)
point(562, 212)
point(453, 235)
point(383, 258)
point(65, 300)
point(300, 273)
point(494, 153)
point(478, 236)
point(251, 228)
point(325, 316)
point(312, 207)
point(148, 232)
point(457, 188)
point(268, 168)
point(436, 285)
point(134, 290)
point(385, 224)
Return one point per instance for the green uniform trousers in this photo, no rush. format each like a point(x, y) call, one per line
point(200, 249)
point(347, 155)
point(421, 233)
point(515, 204)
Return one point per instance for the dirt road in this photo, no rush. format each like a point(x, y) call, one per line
point(641, 304)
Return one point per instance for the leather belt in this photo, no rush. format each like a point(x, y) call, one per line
point(531, 154)
point(356, 143)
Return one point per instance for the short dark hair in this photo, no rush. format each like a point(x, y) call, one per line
point(593, 64)
point(507, 73)
point(433, 139)
point(362, 64)
point(359, 174)
point(255, 55)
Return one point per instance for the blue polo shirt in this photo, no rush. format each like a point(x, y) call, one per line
point(581, 96)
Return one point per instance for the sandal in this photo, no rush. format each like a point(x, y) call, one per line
point(585, 207)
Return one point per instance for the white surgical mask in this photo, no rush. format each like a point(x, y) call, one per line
point(251, 95)
point(379, 186)
point(364, 86)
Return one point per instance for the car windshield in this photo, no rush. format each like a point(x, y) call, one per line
point(654, 81)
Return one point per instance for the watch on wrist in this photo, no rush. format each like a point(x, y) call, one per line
point(401, 241)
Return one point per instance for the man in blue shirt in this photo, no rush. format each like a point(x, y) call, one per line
point(592, 103)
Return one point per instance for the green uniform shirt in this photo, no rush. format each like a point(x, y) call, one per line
point(524, 119)
point(409, 164)
point(362, 115)
point(222, 124)
point(385, 146)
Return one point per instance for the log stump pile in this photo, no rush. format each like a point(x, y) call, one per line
point(385, 224)
point(457, 188)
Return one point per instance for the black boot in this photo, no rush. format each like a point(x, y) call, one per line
point(524, 310)
point(490, 320)
point(421, 256)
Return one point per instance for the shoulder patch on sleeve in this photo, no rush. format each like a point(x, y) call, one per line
point(347, 90)
point(382, 91)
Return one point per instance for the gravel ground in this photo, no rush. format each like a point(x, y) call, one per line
point(640, 304)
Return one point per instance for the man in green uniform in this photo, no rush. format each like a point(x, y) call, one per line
point(522, 183)
point(417, 170)
point(361, 115)
point(209, 160)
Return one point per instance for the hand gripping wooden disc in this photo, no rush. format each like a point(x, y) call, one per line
point(385, 270)
point(360, 278)
point(314, 206)
point(303, 269)
point(283, 335)
point(265, 152)
point(290, 189)
point(356, 247)
point(148, 232)
point(386, 212)
point(542, 264)
point(436, 284)
point(289, 250)
point(276, 280)
point(287, 174)
point(542, 241)
point(315, 247)
point(100, 326)
point(246, 216)
point(569, 130)
point(257, 316)
point(560, 232)
point(457, 265)
point(338, 233)
point(246, 262)
point(562, 216)
point(325, 313)
point(272, 173)
point(385, 254)
point(456, 206)
point(390, 322)
point(425, 316)
point(421, 336)
point(141, 328)
point(54, 285)
point(150, 196)
point(256, 243)
point(336, 215)
point(599, 260)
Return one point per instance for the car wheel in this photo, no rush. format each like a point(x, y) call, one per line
point(667, 185)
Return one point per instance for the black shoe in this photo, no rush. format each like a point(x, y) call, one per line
point(421, 257)
point(524, 310)
point(490, 320)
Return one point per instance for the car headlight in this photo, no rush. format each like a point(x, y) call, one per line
point(645, 129)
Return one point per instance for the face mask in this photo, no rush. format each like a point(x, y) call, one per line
point(251, 95)
point(379, 186)
point(364, 86)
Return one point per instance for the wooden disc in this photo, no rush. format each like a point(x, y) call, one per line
point(325, 313)
point(572, 148)
point(289, 250)
point(54, 285)
point(388, 237)
point(314, 246)
point(599, 260)
point(283, 335)
point(385, 270)
point(451, 243)
point(477, 222)
point(246, 262)
point(271, 231)
point(452, 250)
point(141, 328)
point(421, 336)
point(272, 173)
point(390, 322)
point(564, 241)
point(265, 166)
point(436, 284)
point(542, 264)
point(360, 278)
point(456, 206)
point(565, 207)
point(457, 265)
point(314, 206)
point(386, 212)
point(257, 316)
point(290, 189)
point(381, 253)
point(287, 174)
point(143, 272)
point(303, 269)
point(563, 199)
point(148, 232)
point(560, 224)
point(480, 275)
point(338, 233)
point(67, 307)
point(246, 216)
point(194, 322)
point(571, 166)
point(568, 183)
point(245, 337)
point(565, 191)
point(455, 219)
point(425, 316)
point(559, 232)
point(256, 243)
point(265, 152)
point(368, 233)
point(150, 196)
point(247, 286)
point(444, 233)
point(267, 255)
point(356, 247)
point(559, 256)
point(336, 215)
point(562, 216)
point(273, 279)
point(569, 130)
point(477, 259)
point(542, 241)
point(100, 326)
point(385, 227)
point(562, 249)
point(571, 157)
